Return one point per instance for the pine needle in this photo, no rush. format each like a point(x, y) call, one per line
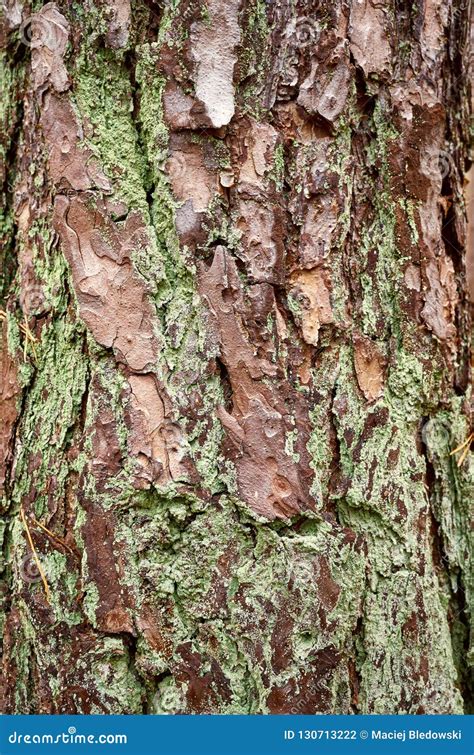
point(464, 445)
point(29, 338)
point(53, 536)
point(35, 556)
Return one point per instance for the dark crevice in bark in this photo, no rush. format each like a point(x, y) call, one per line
point(152, 685)
point(365, 100)
point(130, 61)
point(13, 443)
point(408, 20)
point(250, 529)
point(207, 251)
point(8, 259)
point(355, 674)
point(156, 9)
point(454, 250)
point(457, 48)
point(335, 472)
point(130, 643)
point(84, 401)
point(32, 684)
point(226, 385)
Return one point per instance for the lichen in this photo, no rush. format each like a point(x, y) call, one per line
point(50, 411)
point(291, 438)
point(103, 96)
point(277, 172)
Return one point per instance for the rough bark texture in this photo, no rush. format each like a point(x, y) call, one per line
point(235, 357)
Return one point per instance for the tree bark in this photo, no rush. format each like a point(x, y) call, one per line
point(235, 357)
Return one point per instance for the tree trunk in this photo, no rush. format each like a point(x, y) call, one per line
point(235, 357)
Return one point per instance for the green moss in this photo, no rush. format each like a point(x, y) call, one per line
point(391, 654)
point(112, 675)
point(339, 162)
point(11, 84)
point(290, 440)
point(175, 295)
point(185, 344)
point(277, 172)
point(387, 510)
point(50, 412)
point(409, 387)
point(452, 496)
point(191, 556)
point(103, 96)
point(168, 698)
point(380, 285)
point(14, 336)
point(63, 588)
point(23, 651)
point(294, 305)
point(409, 206)
point(253, 60)
point(91, 598)
point(319, 444)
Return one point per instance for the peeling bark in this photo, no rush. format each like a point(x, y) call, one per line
point(235, 357)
